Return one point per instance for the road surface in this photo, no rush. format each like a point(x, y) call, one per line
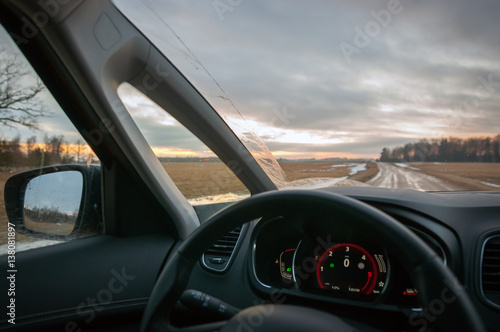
point(406, 177)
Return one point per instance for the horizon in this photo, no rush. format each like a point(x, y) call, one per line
point(408, 83)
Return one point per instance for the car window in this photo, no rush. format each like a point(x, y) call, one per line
point(35, 133)
point(198, 173)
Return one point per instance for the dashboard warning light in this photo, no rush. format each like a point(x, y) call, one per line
point(410, 291)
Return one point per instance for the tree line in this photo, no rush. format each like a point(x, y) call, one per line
point(452, 149)
point(52, 215)
point(31, 153)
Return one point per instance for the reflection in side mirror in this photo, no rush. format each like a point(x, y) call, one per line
point(52, 202)
point(56, 202)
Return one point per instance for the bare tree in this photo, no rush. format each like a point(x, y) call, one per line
point(19, 93)
point(78, 151)
point(30, 145)
point(53, 145)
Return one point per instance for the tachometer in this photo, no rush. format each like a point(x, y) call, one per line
point(348, 268)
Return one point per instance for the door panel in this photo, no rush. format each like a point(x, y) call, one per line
point(77, 284)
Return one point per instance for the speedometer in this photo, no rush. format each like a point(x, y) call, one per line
point(347, 268)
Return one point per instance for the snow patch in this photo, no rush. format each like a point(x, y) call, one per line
point(22, 246)
point(316, 183)
point(222, 198)
point(356, 168)
point(407, 166)
point(313, 183)
point(310, 183)
point(491, 184)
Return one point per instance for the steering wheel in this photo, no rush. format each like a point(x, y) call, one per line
point(443, 299)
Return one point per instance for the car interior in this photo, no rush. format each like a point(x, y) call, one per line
point(427, 261)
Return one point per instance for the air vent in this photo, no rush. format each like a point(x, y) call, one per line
point(490, 270)
point(431, 242)
point(218, 256)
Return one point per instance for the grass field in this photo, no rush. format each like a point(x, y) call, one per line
point(311, 169)
point(467, 176)
point(191, 178)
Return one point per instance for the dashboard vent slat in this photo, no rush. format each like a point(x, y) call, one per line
point(490, 270)
point(218, 256)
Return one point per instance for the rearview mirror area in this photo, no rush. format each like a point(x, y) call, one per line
point(56, 203)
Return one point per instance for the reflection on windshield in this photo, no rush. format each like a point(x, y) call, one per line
point(414, 105)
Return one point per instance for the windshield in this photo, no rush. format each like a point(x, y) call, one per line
point(398, 94)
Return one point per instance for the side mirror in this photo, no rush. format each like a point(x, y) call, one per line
point(56, 202)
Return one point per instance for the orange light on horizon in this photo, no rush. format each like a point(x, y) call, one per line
point(321, 155)
point(65, 149)
point(163, 151)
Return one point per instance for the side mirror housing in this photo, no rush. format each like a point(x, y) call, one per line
point(56, 202)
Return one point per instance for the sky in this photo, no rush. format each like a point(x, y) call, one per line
point(60, 191)
point(337, 78)
point(323, 79)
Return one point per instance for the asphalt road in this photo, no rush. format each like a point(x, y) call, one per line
point(398, 177)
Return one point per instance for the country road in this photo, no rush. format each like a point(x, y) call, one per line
point(405, 177)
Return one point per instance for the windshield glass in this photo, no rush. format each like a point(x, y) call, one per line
point(196, 171)
point(398, 94)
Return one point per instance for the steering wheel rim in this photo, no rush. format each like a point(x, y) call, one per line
point(448, 305)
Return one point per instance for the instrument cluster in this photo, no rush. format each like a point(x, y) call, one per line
point(314, 258)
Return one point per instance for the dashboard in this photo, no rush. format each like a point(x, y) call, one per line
point(327, 259)
point(280, 258)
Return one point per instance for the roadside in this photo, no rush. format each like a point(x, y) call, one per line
point(360, 171)
point(465, 176)
point(365, 176)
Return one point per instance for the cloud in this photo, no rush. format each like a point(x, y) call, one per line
point(410, 81)
point(165, 134)
point(422, 74)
